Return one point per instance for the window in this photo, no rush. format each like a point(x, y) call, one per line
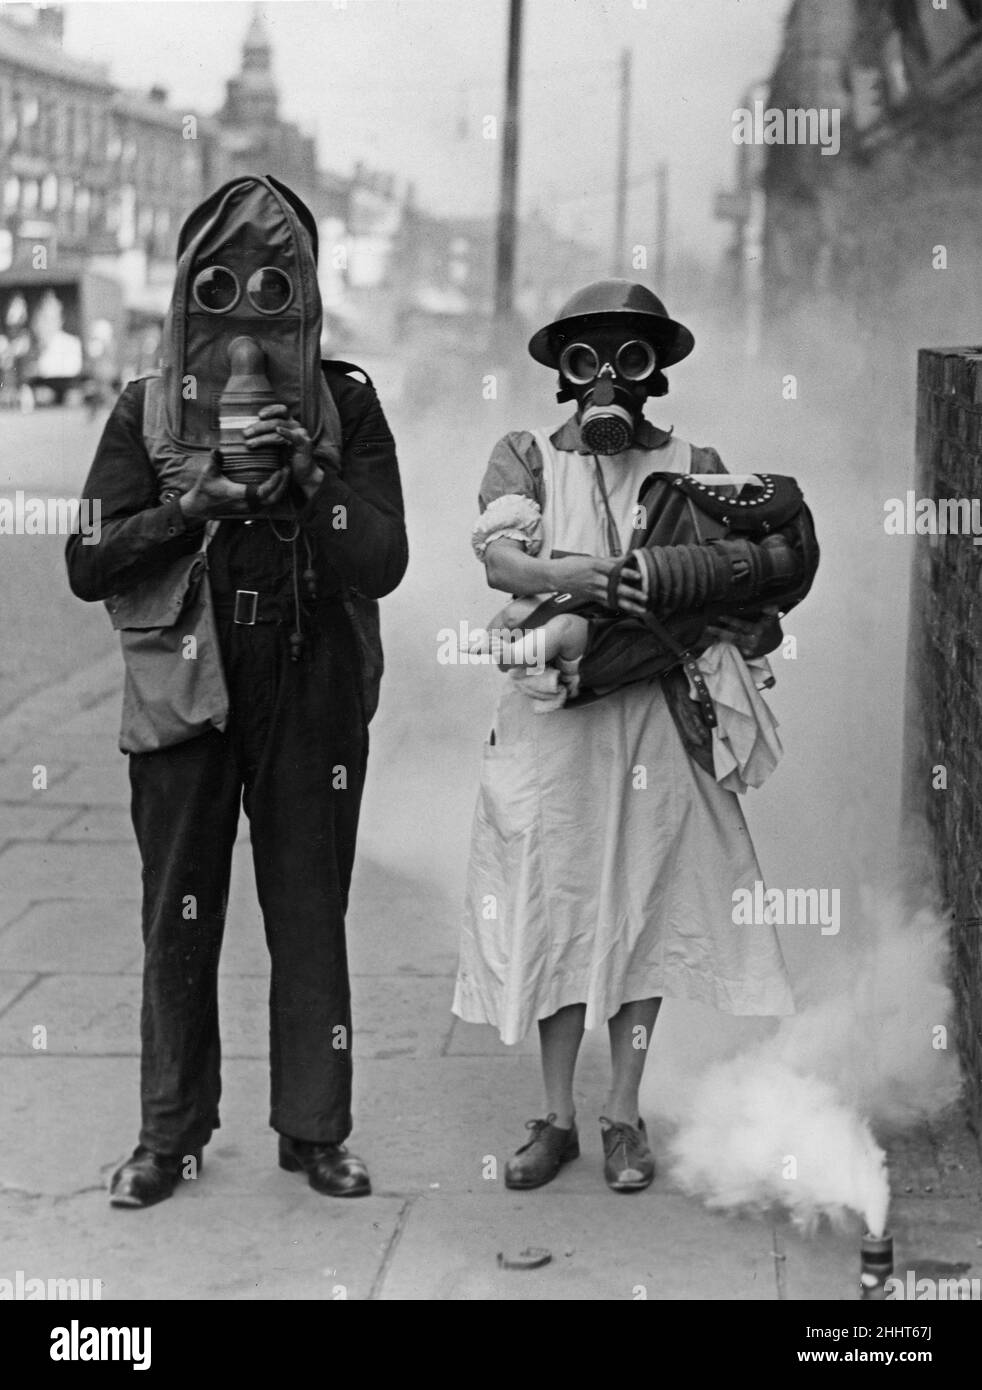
point(8, 117)
point(82, 199)
point(49, 192)
point(97, 210)
point(82, 132)
point(11, 194)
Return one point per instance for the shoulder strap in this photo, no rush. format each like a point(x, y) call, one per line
point(153, 407)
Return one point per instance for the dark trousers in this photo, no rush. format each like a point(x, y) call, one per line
point(294, 753)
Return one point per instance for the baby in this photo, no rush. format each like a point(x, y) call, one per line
point(545, 660)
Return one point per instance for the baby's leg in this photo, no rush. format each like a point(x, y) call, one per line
point(562, 637)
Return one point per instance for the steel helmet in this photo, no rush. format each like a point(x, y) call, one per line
point(616, 300)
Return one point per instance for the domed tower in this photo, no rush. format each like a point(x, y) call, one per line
point(252, 98)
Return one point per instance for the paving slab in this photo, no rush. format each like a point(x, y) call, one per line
point(606, 1247)
point(282, 1243)
point(102, 784)
point(931, 1236)
point(98, 724)
point(55, 747)
point(12, 905)
point(421, 1126)
point(109, 823)
point(32, 821)
point(17, 781)
point(397, 924)
point(75, 935)
point(821, 1265)
point(12, 984)
point(68, 1121)
point(482, 1040)
point(91, 686)
point(98, 1015)
point(84, 1015)
point(61, 869)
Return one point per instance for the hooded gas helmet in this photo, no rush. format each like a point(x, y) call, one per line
point(244, 329)
point(610, 382)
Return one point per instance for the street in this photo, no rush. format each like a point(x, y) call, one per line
point(439, 1105)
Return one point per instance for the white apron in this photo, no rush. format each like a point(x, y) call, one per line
point(603, 860)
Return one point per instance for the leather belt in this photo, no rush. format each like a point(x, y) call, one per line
point(249, 607)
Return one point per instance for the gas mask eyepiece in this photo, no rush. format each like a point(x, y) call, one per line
point(609, 407)
point(216, 290)
point(269, 290)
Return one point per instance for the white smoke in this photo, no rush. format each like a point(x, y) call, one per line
point(760, 1134)
point(789, 1122)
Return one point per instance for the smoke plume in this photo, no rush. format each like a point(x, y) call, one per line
point(790, 1121)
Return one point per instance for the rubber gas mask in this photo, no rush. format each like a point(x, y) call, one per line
point(608, 373)
point(244, 326)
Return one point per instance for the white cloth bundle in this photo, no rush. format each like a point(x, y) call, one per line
point(746, 748)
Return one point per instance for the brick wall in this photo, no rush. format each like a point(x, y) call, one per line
point(943, 720)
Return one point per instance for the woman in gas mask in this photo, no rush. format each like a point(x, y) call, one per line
point(604, 858)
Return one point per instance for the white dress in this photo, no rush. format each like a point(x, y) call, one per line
point(603, 860)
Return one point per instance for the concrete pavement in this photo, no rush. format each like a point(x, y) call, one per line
point(438, 1103)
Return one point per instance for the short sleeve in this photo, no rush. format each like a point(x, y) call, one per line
point(515, 467)
point(510, 498)
point(512, 516)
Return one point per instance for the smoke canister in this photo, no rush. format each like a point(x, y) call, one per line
point(876, 1266)
point(246, 392)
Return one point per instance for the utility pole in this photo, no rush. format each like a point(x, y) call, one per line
point(661, 227)
point(504, 278)
point(620, 216)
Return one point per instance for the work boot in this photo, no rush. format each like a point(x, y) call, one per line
point(147, 1177)
point(330, 1169)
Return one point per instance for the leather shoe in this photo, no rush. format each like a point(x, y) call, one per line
point(147, 1177)
point(330, 1168)
point(629, 1164)
point(539, 1160)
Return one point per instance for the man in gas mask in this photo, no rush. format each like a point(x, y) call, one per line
point(251, 517)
